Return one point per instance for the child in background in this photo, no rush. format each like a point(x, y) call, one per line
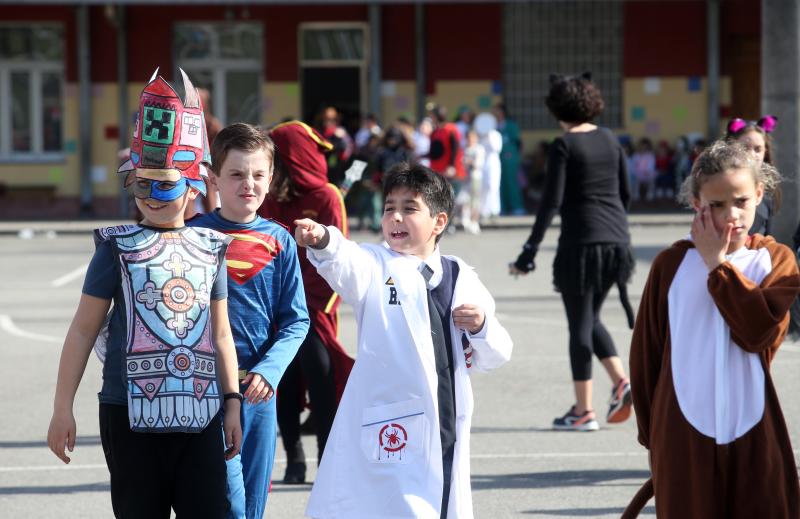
point(399, 446)
point(170, 363)
point(267, 305)
point(474, 159)
point(301, 189)
point(643, 163)
point(393, 151)
point(754, 136)
point(665, 177)
point(713, 314)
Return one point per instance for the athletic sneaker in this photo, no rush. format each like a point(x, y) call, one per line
point(575, 422)
point(620, 404)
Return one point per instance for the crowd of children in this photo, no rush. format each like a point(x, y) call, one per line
point(474, 153)
point(215, 316)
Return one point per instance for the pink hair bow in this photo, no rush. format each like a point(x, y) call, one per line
point(766, 123)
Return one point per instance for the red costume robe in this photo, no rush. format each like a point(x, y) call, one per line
point(301, 152)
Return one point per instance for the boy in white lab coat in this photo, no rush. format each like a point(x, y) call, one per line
point(399, 446)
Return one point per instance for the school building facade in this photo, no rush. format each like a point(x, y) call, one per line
point(70, 76)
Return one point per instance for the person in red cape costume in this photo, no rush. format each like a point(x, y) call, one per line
point(300, 189)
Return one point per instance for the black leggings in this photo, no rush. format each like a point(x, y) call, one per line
point(153, 472)
point(312, 366)
point(587, 334)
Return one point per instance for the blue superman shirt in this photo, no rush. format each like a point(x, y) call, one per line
point(266, 301)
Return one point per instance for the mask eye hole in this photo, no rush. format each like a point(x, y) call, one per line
point(166, 186)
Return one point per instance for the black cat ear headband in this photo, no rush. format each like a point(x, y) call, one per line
point(555, 78)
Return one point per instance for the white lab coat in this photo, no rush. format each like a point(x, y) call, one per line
point(383, 457)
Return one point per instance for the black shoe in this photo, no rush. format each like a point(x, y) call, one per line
point(295, 473)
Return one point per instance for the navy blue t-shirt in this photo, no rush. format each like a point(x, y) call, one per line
point(104, 280)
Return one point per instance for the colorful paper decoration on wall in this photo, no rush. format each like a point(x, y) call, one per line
point(638, 113)
point(401, 103)
point(497, 88)
point(652, 86)
point(694, 84)
point(680, 113)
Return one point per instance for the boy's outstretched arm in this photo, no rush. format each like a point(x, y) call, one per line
point(291, 325)
point(346, 267)
point(75, 353)
point(228, 375)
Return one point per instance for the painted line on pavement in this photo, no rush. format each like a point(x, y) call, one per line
point(560, 323)
point(42, 468)
point(521, 455)
point(788, 345)
point(7, 325)
point(69, 276)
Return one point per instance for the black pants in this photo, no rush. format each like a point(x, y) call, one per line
point(587, 334)
point(311, 367)
point(153, 472)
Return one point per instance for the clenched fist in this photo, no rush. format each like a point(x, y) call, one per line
point(309, 233)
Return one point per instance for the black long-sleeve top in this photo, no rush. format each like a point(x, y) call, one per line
point(587, 180)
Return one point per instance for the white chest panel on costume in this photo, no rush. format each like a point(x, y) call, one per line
point(719, 386)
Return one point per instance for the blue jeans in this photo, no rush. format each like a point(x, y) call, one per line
point(249, 472)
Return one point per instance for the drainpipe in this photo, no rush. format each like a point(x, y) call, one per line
point(122, 81)
point(419, 36)
point(84, 112)
point(712, 10)
point(375, 60)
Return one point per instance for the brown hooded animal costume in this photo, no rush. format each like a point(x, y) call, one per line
point(705, 403)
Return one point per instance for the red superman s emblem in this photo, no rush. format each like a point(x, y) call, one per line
point(248, 253)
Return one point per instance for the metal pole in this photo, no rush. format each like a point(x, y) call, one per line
point(419, 36)
point(85, 111)
point(712, 11)
point(122, 81)
point(375, 60)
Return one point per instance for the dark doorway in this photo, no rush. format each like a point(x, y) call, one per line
point(339, 87)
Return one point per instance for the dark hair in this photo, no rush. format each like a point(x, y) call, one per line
point(434, 189)
point(503, 108)
point(282, 188)
point(242, 137)
point(438, 112)
point(574, 99)
point(753, 127)
point(720, 157)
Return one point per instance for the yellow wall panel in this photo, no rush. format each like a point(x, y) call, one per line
point(476, 95)
point(281, 100)
point(398, 99)
point(670, 110)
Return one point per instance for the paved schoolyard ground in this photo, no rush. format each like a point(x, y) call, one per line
point(520, 468)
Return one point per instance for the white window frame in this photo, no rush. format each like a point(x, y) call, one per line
point(362, 63)
point(220, 66)
point(36, 69)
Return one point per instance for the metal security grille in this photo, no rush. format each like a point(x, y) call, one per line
point(562, 37)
